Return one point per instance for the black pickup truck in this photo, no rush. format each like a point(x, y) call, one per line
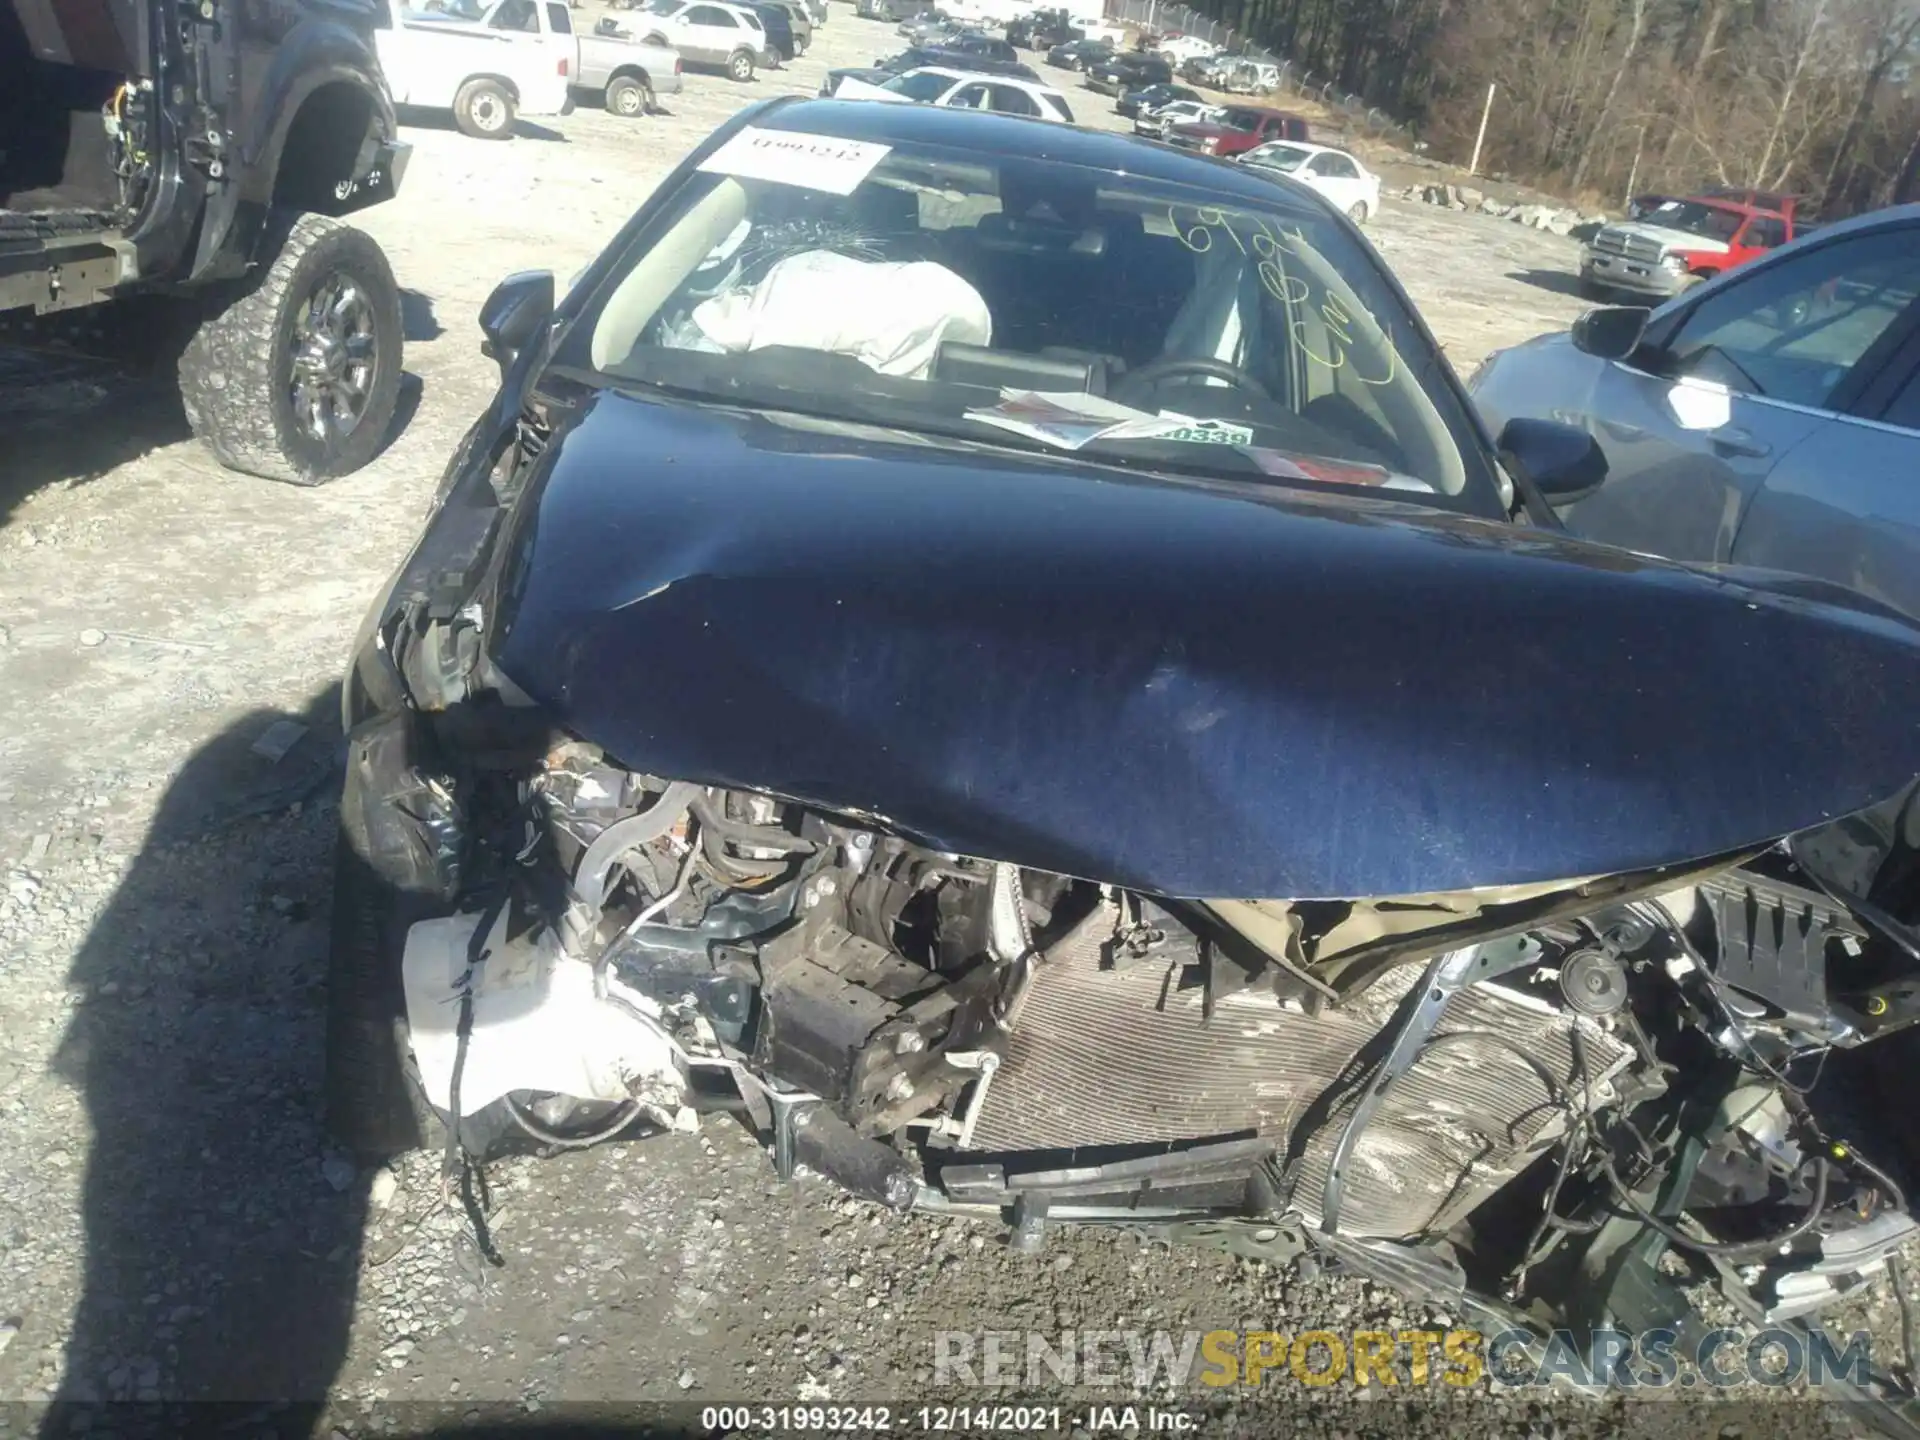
point(188, 160)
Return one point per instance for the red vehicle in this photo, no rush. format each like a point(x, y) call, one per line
point(1241, 128)
point(1673, 244)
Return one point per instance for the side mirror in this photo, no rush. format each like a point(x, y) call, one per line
point(1611, 332)
point(514, 314)
point(1565, 464)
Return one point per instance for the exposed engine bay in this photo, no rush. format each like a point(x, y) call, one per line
point(1490, 1095)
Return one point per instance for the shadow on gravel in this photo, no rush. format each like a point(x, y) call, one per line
point(70, 420)
point(1558, 281)
point(417, 320)
point(221, 1249)
point(52, 410)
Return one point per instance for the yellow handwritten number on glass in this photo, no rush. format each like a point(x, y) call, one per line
point(1199, 239)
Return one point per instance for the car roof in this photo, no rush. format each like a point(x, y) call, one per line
point(1014, 137)
point(1309, 146)
point(1891, 217)
point(986, 77)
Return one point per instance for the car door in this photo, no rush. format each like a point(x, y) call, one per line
point(561, 40)
point(1845, 505)
point(711, 33)
point(972, 96)
point(1011, 100)
point(1745, 244)
point(1334, 176)
point(516, 17)
point(1766, 232)
point(1729, 384)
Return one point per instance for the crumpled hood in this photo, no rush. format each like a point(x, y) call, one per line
point(1158, 685)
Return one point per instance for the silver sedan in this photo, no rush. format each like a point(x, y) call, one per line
point(1770, 417)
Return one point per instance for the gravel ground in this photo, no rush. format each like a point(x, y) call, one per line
point(172, 1226)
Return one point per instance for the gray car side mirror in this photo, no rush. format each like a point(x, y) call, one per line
point(514, 314)
point(1611, 332)
point(1564, 463)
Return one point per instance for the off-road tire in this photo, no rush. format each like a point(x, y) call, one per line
point(484, 110)
point(375, 1104)
point(236, 373)
point(629, 96)
point(740, 66)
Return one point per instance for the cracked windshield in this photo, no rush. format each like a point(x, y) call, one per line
point(1039, 304)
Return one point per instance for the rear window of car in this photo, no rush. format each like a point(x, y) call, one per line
point(1058, 104)
point(1038, 304)
point(1278, 155)
point(1714, 222)
point(920, 86)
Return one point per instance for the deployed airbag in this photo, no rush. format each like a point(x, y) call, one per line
point(890, 316)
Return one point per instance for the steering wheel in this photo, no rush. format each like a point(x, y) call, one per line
point(1147, 376)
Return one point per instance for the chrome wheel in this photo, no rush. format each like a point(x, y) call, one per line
point(488, 112)
point(333, 360)
point(628, 97)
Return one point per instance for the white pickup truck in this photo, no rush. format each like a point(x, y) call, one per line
point(486, 63)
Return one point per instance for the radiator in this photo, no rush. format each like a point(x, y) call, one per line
point(1124, 1056)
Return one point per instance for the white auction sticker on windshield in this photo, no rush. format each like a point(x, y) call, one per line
point(789, 157)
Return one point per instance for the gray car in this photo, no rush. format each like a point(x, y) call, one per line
point(1770, 417)
point(628, 74)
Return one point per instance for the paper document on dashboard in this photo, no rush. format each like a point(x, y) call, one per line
point(1071, 419)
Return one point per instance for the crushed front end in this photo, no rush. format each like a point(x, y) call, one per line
point(1489, 1097)
point(978, 966)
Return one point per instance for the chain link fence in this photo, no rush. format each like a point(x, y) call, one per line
point(1360, 117)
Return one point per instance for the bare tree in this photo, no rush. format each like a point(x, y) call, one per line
point(1743, 92)
point(1636, 30)
point(1892, 28)
point(1801, 52)
point(1906, 183)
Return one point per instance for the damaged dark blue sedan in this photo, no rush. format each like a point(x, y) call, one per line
point(1002, 657)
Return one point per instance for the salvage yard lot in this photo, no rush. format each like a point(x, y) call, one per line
point(170, 1222)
